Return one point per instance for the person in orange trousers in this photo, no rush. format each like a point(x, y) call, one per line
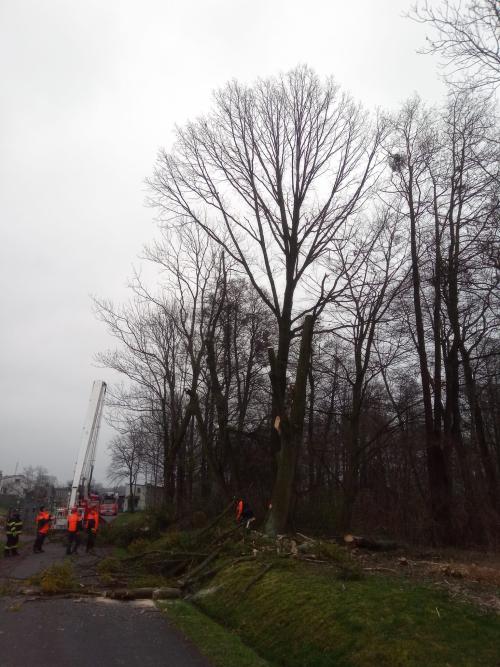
point(42, 520)
point(74, 524)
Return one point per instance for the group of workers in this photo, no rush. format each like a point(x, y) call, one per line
point(76, 525)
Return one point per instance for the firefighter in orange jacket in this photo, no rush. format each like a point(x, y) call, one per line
point(74, 525)
point(42, 520)
point(92, 525)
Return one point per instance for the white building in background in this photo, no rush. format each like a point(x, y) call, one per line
point(139, 498)
point(14, 485)
point(146, 496)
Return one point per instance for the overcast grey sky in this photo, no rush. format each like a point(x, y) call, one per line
point(89, 91)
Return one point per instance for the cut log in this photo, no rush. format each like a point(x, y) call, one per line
point(369, 543)
point(166, 593)
point(145, 593)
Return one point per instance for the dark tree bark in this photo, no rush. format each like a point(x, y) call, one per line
point(291, 428)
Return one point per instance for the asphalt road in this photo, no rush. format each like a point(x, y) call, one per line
point(84, 632)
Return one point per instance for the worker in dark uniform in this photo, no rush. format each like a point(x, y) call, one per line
point(42, 521)
point(74, 525)
point(13, 529)
point(91, 525)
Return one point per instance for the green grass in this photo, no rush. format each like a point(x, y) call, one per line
point(127, 518)
point(298, 617)
point(221, 647)
point(308, 615)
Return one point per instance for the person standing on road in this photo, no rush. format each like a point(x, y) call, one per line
point(42, 520)
point(13, 529)
point(74, 524)
point(92, 525)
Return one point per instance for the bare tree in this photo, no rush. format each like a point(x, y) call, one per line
point(271, 175)
point(445, 170)
point(468, 206)
point(126, 452)
point(372, 277)
point(147, 357)
point(414, 141)
point(194, 269)
point(39, 483)
point(467, 36)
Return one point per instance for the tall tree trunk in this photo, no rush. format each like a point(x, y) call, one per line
point(213, 467)
point(310, 432)
point(290, 430)
point(487, 460)
point(351, 472)
point(131, 504)
point(221, 410)
point(439, 479)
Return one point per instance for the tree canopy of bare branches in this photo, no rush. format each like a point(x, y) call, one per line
point(467, 37)
point(322, 334)
point(271, 175)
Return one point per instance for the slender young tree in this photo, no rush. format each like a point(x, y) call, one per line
point(126, 452)
point(413, 141)
point(372, 278)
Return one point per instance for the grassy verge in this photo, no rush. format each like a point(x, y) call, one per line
point(294, 616)
point(306, 604)
point(221, 647)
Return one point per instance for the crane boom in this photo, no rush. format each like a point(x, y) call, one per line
point(86, 455)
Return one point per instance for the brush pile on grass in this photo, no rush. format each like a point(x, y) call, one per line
point(190, 559)
point(128, 528)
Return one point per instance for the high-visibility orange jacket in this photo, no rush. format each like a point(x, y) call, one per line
point(73, 522)
point(239, 510)
point(43, 522)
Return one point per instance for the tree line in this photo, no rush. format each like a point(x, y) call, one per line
point(322, 334)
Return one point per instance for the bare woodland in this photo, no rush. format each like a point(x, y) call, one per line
point(322, 337)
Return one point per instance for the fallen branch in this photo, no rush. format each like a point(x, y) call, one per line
point(228, 533)
point(257, 578)
point(202, 565)
point(208, 574)
point(172, 555)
